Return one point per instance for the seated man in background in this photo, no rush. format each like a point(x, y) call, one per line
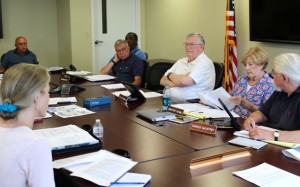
point(125, 66)
point(192, 74)
point(132, 40)
point(19, 55)
point(281, 110)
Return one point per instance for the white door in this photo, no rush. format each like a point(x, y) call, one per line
point(123, 16)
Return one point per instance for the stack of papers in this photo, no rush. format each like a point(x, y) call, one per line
point(211, 98)
point(206, 111)
point(102, 167)
point(78, 73)
point(62, 100)
point(113, 86)
point(95, 78)
point(55, 68)
point(146, 94)
point(69, 136)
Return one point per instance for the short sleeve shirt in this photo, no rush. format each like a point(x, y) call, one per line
point(12, 58)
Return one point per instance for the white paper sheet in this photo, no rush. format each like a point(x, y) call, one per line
point(113, 86)
point(267, 175)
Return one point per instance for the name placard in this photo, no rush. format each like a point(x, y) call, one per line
point(204, 128)
point(175, 110)
point(65, 79)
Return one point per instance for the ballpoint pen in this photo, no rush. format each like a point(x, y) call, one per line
point(127, 183)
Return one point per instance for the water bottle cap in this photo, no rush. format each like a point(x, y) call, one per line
point(167, 84)
point(97, 120)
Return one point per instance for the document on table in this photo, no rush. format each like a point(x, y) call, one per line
point(62, 100)
point(113, 86)
point(248, 142)
point(95, 78)
point(78, 73)
point(146, 94)
point(68, 136)
point(70, 111)
point(268, 175)
point(245, 134)
point(103, 167)
point(206, 111)
point(292, 153)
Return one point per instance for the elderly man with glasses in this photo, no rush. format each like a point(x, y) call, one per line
point(281, 111)
point(124, 66)
point(191, 74)
point(21, 54)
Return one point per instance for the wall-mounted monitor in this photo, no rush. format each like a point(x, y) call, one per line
point(274, 21)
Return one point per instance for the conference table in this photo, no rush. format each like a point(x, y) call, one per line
point(164, 152)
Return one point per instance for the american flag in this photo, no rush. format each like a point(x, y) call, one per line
point(230, 57)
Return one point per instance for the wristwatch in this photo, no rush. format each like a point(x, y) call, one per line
point(168, 76)
point(276, 135)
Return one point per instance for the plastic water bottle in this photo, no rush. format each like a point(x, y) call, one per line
point(98, 129)
point(166, 101)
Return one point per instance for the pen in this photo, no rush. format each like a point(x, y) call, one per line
point(127, 183)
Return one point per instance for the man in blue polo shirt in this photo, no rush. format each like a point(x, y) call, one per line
point(125, 66)
point(19, 55)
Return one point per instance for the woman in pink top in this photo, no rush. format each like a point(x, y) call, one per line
point(25, 158)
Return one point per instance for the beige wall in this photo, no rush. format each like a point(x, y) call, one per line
point(168, 21)
point(37, 21)
point(59, 32)
point(64, 30)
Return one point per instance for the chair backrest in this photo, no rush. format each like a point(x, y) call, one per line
point(155, 73)
point(2, 57)
point(144, 77)
point(219, 68)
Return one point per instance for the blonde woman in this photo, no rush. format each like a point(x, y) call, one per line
point(25, 157)
point(254, 88)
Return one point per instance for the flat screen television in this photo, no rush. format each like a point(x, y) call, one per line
point(275, 21)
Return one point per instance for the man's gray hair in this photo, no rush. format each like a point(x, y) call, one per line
point(288, 64)
point(201, 38)
point(121, 41)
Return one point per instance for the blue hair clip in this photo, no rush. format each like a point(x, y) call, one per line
point(7, 107)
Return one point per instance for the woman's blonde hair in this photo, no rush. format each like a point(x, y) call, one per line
point(258, 56)
point(20, 85)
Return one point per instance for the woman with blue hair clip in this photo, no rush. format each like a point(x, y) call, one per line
point(25, 157)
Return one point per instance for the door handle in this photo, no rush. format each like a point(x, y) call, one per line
point(98, 42)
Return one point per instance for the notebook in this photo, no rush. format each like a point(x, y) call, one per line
point(156, 115)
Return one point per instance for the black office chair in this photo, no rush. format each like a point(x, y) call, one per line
point(219, 69)
point(146, 55)
point(2, 57)
point(155, 73)
point(144, 77)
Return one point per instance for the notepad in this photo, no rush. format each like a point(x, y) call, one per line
point(133, 178)
point(247, 142)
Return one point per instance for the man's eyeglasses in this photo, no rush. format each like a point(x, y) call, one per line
point(121, 50)
point(21, 44)
point(190, 45)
